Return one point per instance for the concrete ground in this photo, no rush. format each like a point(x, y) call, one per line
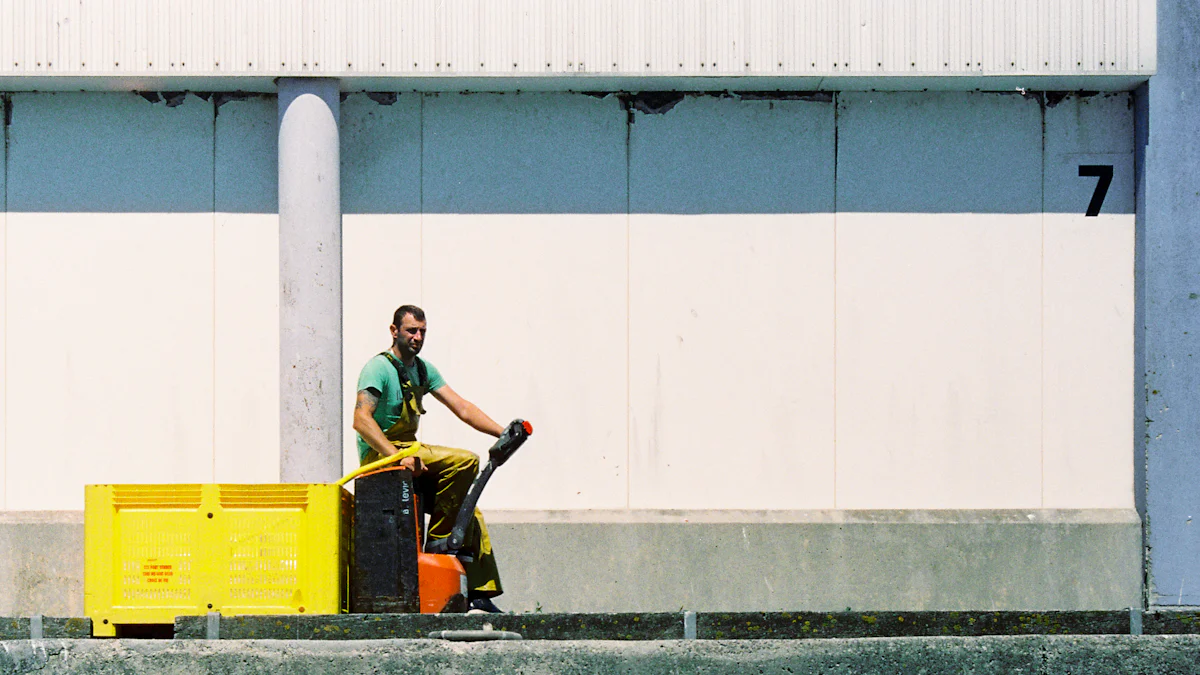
point(1048, 655)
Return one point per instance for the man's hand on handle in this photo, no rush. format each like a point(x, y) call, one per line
point(414, 464)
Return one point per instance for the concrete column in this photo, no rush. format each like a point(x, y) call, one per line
point(310, 282)
point(1170, 308)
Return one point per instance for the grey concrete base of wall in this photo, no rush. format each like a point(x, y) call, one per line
point(726, 561)
point(1057, 655)
point(713, 561)
point(41, 563)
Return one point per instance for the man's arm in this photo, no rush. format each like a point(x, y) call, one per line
point(466, 411)
point(368, 428)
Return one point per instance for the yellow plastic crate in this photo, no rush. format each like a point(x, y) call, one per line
point(154, 552)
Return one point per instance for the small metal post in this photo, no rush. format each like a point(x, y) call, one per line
point(213, 631)
point(1135, 620)
point(689, 625)
point(35, 627)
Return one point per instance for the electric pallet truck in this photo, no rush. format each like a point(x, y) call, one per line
point(391, 571)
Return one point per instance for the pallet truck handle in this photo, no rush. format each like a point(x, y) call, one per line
point(513, 437)
point(517, 432)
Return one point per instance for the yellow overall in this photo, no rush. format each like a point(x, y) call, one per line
point(448, 475)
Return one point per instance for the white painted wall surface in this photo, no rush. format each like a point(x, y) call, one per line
point(4, 335)
point(143, 331)
point(110, 324)
point(730, 305)
point(381, 232)
point(938, 301)
point(246, 293)
point(1088, 307)
point(525, 244)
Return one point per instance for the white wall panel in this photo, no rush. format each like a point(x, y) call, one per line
point(939, 364)
point(3, 327)
point(934, 341)
point(110, 232)
point(938, 301)
point(4, 351)
point(381, 271)
point(246, 348)
point(691, 38)
point(731, 361)
point(110, 342)
point(524, 279)
point(246, 292)
point(527, 319)
point(731, 305)
point(1088, 307)
point(381, 232)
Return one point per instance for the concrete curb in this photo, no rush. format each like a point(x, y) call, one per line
point(634, 626)
point(1082, 655)
point(21, 628)
point(703, 625)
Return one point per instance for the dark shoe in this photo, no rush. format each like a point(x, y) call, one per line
point(482, 606)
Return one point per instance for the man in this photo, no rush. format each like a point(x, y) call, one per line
point(386, 415)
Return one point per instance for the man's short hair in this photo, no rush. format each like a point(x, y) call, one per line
point(402, 310)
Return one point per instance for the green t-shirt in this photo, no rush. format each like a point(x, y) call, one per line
point(379, 374)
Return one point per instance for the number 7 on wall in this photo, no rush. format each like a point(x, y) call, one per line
point(1105, 173)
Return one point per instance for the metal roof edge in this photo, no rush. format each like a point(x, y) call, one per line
point(1109, 81)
